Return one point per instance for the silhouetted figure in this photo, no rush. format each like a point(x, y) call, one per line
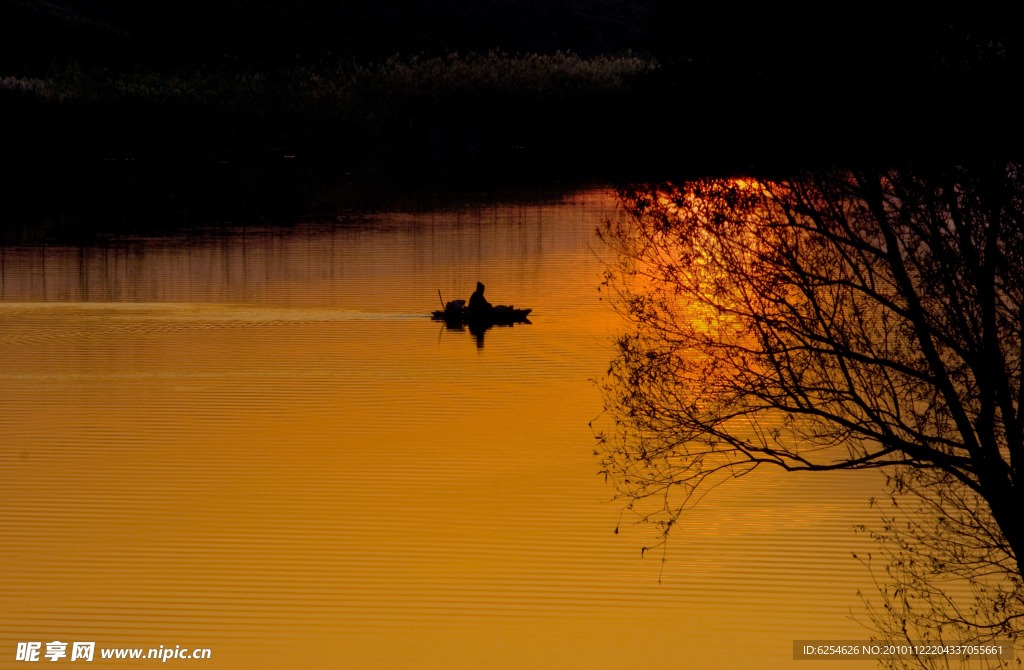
point(478, 306)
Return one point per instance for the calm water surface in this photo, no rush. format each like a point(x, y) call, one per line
point(257, 443)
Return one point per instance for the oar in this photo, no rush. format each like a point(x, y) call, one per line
point(440, 298)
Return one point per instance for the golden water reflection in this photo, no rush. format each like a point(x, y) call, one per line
point(259, 443)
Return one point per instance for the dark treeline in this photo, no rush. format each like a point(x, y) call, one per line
point(120, 34)
point(237, 79)
point(864, 82)
point(633, 90)
point(471, 106)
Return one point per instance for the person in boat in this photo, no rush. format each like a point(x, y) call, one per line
point(478, 305)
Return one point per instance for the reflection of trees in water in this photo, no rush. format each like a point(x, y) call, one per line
point(836, 321)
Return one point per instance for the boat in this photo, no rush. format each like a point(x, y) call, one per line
point(456, 313)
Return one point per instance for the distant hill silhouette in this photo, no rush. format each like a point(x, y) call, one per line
point(119, 33)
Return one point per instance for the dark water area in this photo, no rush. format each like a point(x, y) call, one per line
point(95, 201)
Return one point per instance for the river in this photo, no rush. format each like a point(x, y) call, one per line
point(254, 440)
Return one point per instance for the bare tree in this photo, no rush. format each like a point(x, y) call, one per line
point(948, 571)
point(839, 320)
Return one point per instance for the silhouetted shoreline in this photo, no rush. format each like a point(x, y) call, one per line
point(201, 105)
